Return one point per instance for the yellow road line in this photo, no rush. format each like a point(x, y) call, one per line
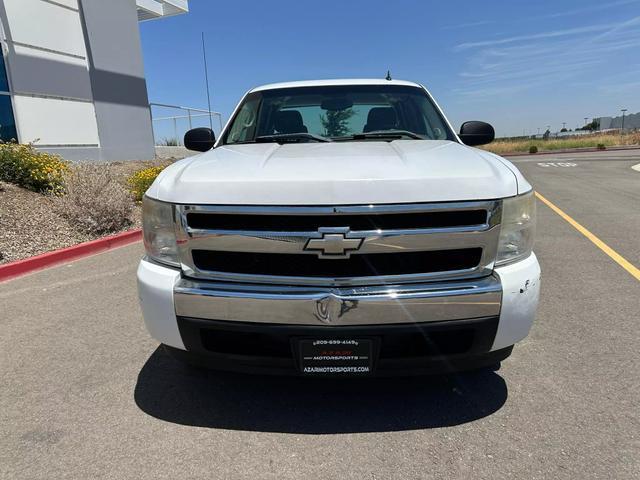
point(615, 256)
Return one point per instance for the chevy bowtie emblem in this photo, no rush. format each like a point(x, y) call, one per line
point(335, 243)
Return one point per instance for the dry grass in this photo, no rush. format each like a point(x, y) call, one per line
point(502, 147)
point(95, 201)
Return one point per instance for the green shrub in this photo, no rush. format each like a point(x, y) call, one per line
point(31, 169)
point(141, 180)
point(533, 149)
point(601, 146)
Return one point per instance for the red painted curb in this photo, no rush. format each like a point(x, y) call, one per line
point(49, 259)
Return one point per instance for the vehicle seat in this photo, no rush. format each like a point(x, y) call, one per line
point(289, 121)
point(381, 118)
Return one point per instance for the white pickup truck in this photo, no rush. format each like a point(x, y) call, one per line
point(340, 227)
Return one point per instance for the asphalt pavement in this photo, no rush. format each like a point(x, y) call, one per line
point(87, 394)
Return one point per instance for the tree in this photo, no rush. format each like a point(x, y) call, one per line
point(335, 122)
point(593, 125)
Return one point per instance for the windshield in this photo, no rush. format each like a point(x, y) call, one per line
point(337, 113)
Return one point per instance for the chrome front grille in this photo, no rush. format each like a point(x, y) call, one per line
point(377, 244)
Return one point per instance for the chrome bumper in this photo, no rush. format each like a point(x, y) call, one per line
point(432, 302)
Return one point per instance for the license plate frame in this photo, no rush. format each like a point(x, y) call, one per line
point(336, 356)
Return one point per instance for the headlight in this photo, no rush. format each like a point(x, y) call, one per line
point(159, 232)
point(517, 230)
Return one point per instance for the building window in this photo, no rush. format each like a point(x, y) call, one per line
point(4, 83)
point(7, 120)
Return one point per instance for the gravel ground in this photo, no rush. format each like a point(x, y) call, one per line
point(30, 224)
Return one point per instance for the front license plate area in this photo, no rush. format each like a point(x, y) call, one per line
point(336, 356)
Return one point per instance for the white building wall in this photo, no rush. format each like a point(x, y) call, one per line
point(48, 72)
point(67, 3)
point(53, 122)
point(51, 74)
point(76, 75)
point(42, 24)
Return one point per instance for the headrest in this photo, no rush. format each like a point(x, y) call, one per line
point(289, 121)
point(380, 118)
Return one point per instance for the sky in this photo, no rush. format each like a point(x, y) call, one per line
point(517, 65)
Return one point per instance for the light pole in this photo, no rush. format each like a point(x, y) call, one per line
point(623, 110)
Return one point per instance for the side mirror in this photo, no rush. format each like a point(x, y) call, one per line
point(199, 139)
point(476, 133)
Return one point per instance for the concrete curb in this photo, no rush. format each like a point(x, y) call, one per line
point(49, 259)
point(575, 150)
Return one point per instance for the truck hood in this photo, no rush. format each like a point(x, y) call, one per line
point(340, 173)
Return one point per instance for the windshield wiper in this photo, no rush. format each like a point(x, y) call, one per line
point(291, 137)
point(393, 134)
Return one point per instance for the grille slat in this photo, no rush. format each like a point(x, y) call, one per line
point(361, 265)
point(311, 223)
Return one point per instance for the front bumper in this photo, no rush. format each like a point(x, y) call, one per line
point(497, 311)
point(337, 307)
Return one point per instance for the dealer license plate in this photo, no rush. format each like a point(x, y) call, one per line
point(336, 356)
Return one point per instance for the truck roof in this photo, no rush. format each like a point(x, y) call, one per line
point(345, 81)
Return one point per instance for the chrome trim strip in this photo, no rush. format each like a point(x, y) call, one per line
point(374, 241)
point(338, 306)
point(338, 209)
point(338, 282)
point(484, 236)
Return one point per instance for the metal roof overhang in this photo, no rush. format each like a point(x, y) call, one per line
point(152, 9)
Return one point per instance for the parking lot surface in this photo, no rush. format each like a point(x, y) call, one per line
point(87, 394)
